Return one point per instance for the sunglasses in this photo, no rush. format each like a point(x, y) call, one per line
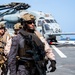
point(2, 28)
point(30, 22)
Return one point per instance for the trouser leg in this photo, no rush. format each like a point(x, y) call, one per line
point(22, 70)
point(12, 69)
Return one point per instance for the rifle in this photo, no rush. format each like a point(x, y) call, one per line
point(37, 55)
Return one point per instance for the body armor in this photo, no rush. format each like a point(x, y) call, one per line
point(27, 46)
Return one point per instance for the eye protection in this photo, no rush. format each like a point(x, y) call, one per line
point(2, 28)
point(30, 22)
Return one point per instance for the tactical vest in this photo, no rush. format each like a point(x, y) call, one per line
point(27, 46)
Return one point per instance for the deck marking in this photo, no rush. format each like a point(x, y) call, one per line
point(59, 52)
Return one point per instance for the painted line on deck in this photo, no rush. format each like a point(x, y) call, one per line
point(59, 52)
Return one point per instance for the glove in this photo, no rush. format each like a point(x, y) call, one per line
point(52, 66)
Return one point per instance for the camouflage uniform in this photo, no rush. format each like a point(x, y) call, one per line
point(4, 37)
point(17, 48)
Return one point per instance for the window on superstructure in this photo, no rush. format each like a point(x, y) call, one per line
point(51, 21)
point(47, 27)
point(40, 23)
point(9, 26)
point(55, 21)
point(48, 21)
point(41, 18)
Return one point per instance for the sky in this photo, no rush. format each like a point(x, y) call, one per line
point(62, 10)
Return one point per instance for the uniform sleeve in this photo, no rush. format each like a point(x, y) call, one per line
point(13, 51)
point(8, 43)
point(12, 55)
point(7, 47)
point(48, 50)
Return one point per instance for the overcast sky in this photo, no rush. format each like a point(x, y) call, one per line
point(62, 10)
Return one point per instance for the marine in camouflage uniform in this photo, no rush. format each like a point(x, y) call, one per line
point(19, 47)
point(4, 37)
point(17, 27)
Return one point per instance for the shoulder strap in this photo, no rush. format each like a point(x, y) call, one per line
point(35, 36)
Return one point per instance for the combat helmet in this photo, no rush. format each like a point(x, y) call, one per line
point(17, 26)
point(27, 17)
point(2, 25)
